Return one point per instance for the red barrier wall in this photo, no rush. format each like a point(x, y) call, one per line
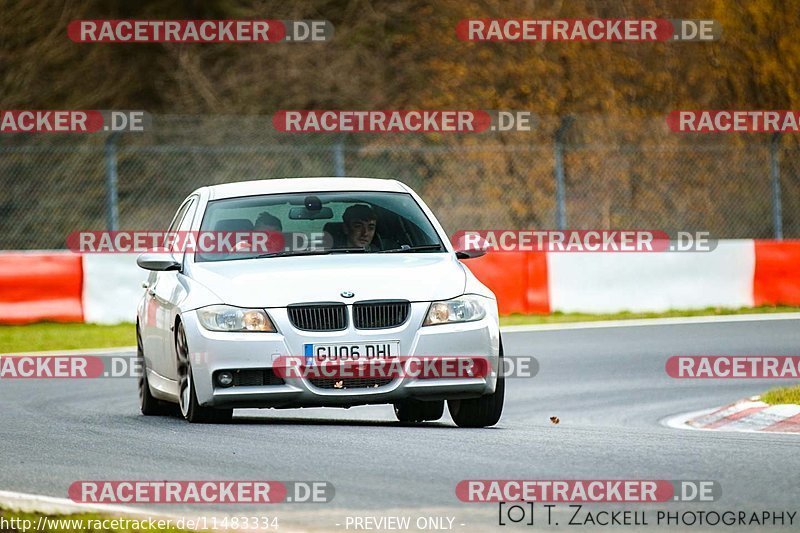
point(777, 274)
point(518, 279)
point(40, 286)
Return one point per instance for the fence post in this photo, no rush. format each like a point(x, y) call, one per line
point(112, 207)
point(558, 152)
point(338, 158)
point(777, 217)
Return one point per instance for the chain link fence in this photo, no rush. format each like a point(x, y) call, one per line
point(582, 173)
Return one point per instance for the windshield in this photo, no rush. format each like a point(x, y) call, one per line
point(325, 222)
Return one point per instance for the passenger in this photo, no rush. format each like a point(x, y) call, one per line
point(359, 225)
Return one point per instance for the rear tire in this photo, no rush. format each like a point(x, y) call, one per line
point(418, 411)
point(191, 410)
point(148, 404)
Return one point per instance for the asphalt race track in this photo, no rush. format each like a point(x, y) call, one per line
point(607, 386)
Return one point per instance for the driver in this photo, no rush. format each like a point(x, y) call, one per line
point(359, 224)
point(264, 223)
point(267, 222)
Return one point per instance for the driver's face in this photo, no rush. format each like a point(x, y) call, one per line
point(360, 232)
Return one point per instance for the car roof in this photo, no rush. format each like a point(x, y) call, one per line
point(289, 185)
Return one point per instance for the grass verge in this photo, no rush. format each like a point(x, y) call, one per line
point(53, 336)
point(782, 395)
point(558, 318)
point(25, 522)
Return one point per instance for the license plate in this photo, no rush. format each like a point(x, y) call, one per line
point(339, 352)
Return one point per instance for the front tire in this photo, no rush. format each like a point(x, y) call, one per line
point(410, 411)
point(484, 411)
point(479, 412)
point(191, 410)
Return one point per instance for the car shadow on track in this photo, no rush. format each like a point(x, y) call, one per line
point(291, 421)
point(249, 420)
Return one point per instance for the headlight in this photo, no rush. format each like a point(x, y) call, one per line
point(462, 309)
point(227, 318)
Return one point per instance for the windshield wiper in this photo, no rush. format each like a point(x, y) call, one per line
point(407, 248)
point(291, 253)
point(288, 253)
point(351, 250)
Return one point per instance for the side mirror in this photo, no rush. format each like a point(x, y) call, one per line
point(469, 244)
point(470, 254)
point(158, 261)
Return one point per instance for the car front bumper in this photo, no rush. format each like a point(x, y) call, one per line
point(212, 351)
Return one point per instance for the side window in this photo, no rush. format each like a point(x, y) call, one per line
point(175, 221)
point(181, 222)
point(184, 224)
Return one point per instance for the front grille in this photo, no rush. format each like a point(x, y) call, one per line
point(349, 383)
point(318, 317)
point(254, 377)
point(380, 314)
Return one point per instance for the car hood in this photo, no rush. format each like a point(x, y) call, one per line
point(280, 281)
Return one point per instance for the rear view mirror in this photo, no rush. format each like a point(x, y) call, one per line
point(303, 213)
point(158, 261)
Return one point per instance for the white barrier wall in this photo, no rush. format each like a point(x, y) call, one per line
point(641, 282)
point(112, 288)
point(576, 282)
